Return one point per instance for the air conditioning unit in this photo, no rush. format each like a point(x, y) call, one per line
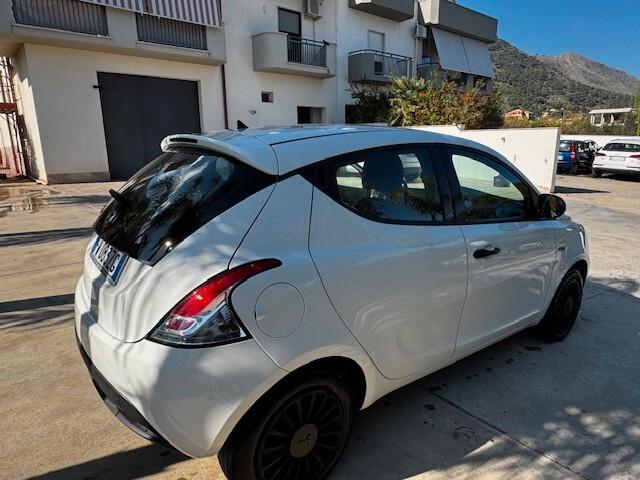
point(312, 9)
point(421, 31)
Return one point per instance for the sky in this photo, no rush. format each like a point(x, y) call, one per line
point(607, 31)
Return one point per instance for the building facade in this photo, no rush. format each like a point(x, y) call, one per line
point(101, 82)
point(609, 116)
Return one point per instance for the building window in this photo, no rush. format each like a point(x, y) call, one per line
point(375, 41)
point(308, 115)
point(166, 31)
point(267, 97)
point(289, 22)
point(70, 15)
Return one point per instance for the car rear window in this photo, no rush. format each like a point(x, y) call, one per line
point(172, 197)
point(565, 146)
point(622, 147)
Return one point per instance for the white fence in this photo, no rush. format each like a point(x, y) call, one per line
point(533, 150)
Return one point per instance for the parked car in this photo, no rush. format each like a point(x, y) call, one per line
point(246, 293)
point(618, 156)
point(575, 156)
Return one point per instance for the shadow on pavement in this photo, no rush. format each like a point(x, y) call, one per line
point(141, 462)
point(560, 189)
point(33, 311)
point(43, 236)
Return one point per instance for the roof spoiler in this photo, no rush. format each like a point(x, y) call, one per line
point(245, 149)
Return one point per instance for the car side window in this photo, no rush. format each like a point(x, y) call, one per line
point(489, 190)
point(397, 185)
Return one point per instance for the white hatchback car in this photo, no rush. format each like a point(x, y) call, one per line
point(618, 156)
point(247, 292)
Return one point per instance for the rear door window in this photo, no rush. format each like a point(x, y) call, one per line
point(622, 147)
point(388, 185)
point(172, 197)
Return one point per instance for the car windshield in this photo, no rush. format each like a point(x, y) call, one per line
point(622, 147)
point(171, 198)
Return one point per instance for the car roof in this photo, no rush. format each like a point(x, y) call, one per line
point(283, 149)
point(624, 140)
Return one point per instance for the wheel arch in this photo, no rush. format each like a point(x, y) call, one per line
point(582, 266)
point(340, 366)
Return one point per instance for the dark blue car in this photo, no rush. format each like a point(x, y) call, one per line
point(574, 156)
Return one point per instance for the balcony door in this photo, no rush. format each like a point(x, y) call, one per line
point(289, 22)
point(375, 41)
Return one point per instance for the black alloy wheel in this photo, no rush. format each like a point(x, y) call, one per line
point(299, 431)
point(563, 311)
point(304, 437)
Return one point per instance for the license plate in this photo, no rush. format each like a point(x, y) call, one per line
point(110, 260)
point(617, 159)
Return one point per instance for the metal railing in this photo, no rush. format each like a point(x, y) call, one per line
point(388, 64)
point(70, 15)
point(306, 51)
point(171, 32)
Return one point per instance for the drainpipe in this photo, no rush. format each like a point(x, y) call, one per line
point(223, 72)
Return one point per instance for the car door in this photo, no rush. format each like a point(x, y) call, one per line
point(395, 273)
point(511, 250)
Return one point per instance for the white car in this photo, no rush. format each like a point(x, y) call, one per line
point(618, 156)
point(247, 292)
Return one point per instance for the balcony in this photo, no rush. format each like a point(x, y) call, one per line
point(372, 66)
point(69, 15)
point(458, 19)
point(87, 25)
point(396, 10)
point(277, 52)
point(166, 31)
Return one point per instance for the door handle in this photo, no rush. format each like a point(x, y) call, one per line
point(486, 252)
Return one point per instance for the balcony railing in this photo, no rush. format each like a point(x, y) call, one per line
point(375, 66)
point(70, 15)
point(166, 31)
point(306, 51)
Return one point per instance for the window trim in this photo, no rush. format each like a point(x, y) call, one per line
point(298, 14)
point(452, 180)
point(318, 174)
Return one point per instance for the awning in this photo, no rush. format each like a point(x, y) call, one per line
point(478, 56)
point(462, 54)
point(451, 51)
point(204, 12)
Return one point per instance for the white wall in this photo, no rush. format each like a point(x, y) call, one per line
point(63, 110)
point(533, 150)
point(601, 140)
point(242, 20)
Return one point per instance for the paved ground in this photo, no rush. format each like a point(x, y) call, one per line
point(518, 410)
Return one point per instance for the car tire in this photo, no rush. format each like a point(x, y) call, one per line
point(299, 432)
point(596, 173)
point(563, 311)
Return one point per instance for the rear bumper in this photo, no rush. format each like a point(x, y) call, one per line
point(607, 168)
point(118, 405)
point(188, 398)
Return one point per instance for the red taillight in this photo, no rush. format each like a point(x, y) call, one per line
point(204, 317)
point(573, 151)
point(637, 157)
point(600, 154)
point(206, 293)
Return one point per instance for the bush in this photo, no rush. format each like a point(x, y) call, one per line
point(416, 101)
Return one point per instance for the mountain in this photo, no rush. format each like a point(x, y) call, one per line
point(592, 73)
point(534, 84)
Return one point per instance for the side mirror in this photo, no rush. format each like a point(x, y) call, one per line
point(551, 206)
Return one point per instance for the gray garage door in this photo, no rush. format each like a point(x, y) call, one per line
point(138, 112)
